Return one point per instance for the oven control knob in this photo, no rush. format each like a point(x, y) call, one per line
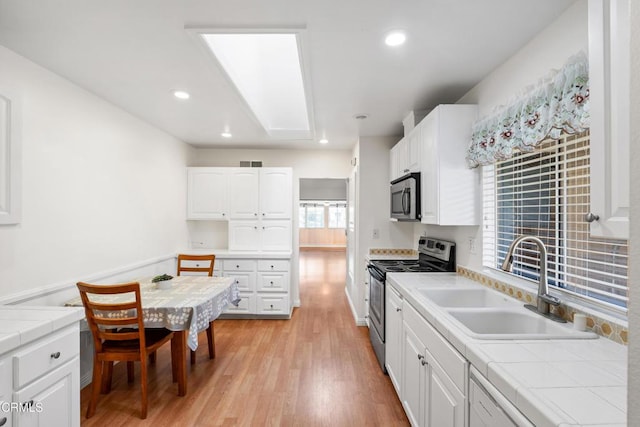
point(440, 246)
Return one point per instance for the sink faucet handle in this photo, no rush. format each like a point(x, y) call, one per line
point(555, 301)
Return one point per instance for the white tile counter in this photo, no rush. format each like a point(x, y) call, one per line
point(555, 382)
point(20, 325)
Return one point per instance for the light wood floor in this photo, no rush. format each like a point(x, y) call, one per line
point(317, 369)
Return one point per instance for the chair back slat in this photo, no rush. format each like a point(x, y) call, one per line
point(208, 259)
point(105, 318)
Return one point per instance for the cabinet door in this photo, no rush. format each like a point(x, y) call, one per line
point(393, 335)
point(276, 193)
point(446, 404)
point(275, 235)
point(5, 390)
point(609, 80)
point(393, 163)
point(244, 236)
point(414, 150)
point(206, 193)
point(243, 193)
point(429, 175)
point(54, 400)
point(413, 376)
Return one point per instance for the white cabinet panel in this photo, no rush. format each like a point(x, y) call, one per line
point(393, 337)
point(5, 390)
point(245, 281)
point(609, 94)
point(413, 376)
point(244, 235)
point(273, 265)
point(244, 193)
point(276, 193)
point(247, 305)
point(206, 193)
point(273, 282)
point(275, 235)
point(273, 304)
point(446, 405)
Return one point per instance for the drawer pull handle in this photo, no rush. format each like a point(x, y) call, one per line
point(3, 421)
point(55, 355)
point(237, 266)
point(272, 267)
point(420, 357)
point(271, 282)
point(424, 362)
point(398, 309)
point(271, 305)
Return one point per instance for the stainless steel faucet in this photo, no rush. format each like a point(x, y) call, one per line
point(544, 298)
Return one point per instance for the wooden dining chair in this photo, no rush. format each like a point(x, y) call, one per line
point(119, 335)
point(203, 264)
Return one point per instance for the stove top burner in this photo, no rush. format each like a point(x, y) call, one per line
point(388, 262)
point(420, 269)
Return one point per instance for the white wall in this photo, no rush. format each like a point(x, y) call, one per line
point(373, 213)
point(633, 377)
point(100, 188)
point(305, 164)
point(548, 50)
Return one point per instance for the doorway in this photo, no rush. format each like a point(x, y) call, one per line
point(322, 221)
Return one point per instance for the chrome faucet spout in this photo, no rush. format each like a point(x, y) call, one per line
point(544, 298)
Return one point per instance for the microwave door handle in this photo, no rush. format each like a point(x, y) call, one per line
point(406, 206)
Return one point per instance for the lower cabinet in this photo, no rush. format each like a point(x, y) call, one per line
point(433, 374)
point(45, 378)
point(263, 286)
point(393, 337)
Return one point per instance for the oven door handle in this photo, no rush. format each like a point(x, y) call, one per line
point(375, 273)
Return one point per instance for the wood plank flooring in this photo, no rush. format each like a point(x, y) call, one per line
point(317, 369)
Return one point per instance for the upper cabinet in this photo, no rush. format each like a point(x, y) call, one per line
point(239, 193)
point(207, 193)
point(450, 190)
point(405, 155)
point(609, 80)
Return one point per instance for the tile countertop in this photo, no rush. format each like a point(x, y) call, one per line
point(227, 254)
point(20, 325)
point(559, 382)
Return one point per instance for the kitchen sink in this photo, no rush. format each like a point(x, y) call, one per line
point(513, 324)
point(474, 297)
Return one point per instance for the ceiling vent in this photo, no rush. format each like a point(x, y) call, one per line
point(250, 163)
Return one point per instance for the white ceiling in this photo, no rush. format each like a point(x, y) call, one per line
point(134, 53)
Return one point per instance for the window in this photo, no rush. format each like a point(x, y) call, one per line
point(311, 215)
point(545, 193)
point(337, 215)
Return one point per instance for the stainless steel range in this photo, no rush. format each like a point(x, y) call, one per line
point(435, 256)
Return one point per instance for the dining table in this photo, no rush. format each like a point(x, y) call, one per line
point(186, 306)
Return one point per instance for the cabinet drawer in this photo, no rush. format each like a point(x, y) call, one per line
point(273, 304)
point(447, 356)
point(239, 265)
point(277, 282)
point(273, 265)
point(197, 264)
point(45, 355)
point(245, 281)
point(247, 305)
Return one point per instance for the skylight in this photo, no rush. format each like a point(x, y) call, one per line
point(267, 71)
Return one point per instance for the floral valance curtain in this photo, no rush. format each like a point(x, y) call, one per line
point(560, 103)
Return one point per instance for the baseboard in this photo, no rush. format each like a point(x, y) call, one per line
point(360, 321)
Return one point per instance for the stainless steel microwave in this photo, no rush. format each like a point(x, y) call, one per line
point(405, 198)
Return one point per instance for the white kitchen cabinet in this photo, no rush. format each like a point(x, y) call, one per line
point(405, 155)
point(46, 380)
point(5, 390)
point(434, 375)
point(244, 235)
point(244, 191)
point(276, 191)
point(260, 235)
point(610, 96)
point(450, 191)
point(393, 337)
point(263, 285)
point(207, 193)
point(414, 376)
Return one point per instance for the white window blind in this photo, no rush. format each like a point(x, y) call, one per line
point(545, 193)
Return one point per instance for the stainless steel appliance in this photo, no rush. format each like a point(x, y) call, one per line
point(405, 198)
point(434, 256)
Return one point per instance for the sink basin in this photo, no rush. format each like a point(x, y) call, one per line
point(475, 297)
point(513, 324)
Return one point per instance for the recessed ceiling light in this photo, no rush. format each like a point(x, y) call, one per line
point(395, 38)
point(180, 94)
point(324, 141)
point(361, 116)
point(226, 134)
